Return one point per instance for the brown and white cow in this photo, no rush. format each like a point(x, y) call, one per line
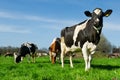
point(84, 35)
point(54, 49)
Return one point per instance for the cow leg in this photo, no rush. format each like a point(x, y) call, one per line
point(50, 55)
point(21, 58)
point(28, 55)
point(92, 51)
point(58, 56)
point(53, 56)
point(63, 50)
point(62, 59)
point(54, 59)
point(33, 57)
point(62, 55)
point(89, 60)
point(85, 55)
point(15, 56)
point(71, 64)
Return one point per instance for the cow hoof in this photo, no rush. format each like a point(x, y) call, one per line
point(87, 70)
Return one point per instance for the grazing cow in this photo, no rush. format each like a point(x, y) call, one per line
point(26, 49)
point(54, 49)
point(84, 35)
point(114, 55)
point(8, 54)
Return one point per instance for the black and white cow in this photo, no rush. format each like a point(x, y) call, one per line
point(84, 35)
point(26, 49)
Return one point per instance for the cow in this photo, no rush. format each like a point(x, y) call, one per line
point(54, 49)
point(26, 49)
point(84, 36)
point(114, 55)
point(8, 54)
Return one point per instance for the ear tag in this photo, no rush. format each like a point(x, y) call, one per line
point(107, 15)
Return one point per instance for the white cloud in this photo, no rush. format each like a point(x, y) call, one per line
point(33, 18)
point(107, 25)
point(75, 2)
point(56, 24)
point(11, 29)
point(7, 15)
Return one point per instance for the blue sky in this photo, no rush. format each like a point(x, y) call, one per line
point(39, 21)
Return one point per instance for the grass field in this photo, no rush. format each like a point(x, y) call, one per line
point(101, 69)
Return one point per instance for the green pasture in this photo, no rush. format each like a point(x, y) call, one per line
point(101, 69)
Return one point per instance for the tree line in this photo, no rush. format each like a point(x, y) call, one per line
point(11, 50)
point(104, 46)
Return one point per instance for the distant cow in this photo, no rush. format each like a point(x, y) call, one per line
point(114, 55)
point(41, 54)
point(8, 54)
point(54, 49)
point(26, 49)
point(84, 35)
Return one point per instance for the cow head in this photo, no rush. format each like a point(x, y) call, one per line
point(52, 54)
point(97, 16)
point(17, 58)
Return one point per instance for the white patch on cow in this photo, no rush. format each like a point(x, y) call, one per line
point(97, 11)
point(21, 58)
point(79, 43)
point(15, 55)
point(87, 55)
point(78, 28)
point(53, 41)
point(97, 29)
point(27, 44)
point(91, 46)
point(73, 48)
point(54, 54)
point(97, 20)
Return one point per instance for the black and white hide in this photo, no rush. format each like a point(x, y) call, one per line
point(26, 49)
point(84, 36)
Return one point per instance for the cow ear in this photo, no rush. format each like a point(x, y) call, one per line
point(87, 13)
point(107, 13)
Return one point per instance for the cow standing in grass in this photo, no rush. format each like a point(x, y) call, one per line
point(54, 49)
point(26, 49)
point(84, 35)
